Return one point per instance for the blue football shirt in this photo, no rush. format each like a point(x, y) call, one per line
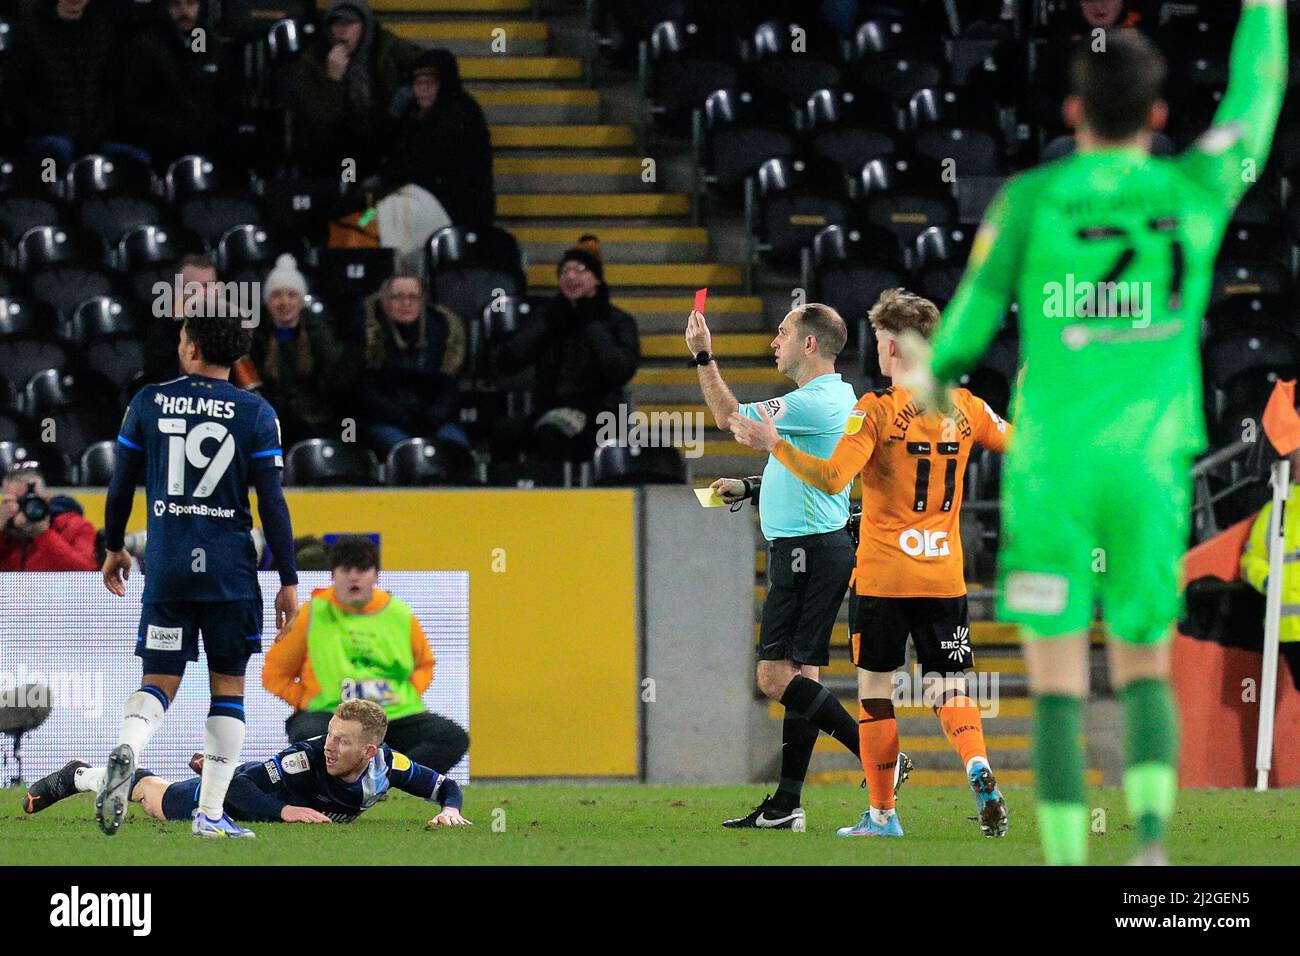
point(203, 440)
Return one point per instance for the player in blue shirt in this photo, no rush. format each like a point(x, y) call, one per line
point(199, 443)
point(330, 779)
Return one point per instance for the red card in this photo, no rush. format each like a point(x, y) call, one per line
point(700, 296)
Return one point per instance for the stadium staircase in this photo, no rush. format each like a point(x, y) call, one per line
point(569, 155)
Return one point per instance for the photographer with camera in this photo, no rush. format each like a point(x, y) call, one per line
point(36, 537)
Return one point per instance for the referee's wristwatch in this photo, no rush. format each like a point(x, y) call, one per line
point(701, 359)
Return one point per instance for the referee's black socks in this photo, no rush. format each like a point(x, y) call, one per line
point(806, 698)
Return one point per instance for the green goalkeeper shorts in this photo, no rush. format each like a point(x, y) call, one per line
point(1079, 532)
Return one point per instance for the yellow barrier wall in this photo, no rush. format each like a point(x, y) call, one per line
point(553, 641)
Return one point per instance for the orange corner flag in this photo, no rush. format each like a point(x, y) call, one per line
point(1281, 423)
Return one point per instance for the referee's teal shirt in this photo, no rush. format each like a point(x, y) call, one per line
point(811, 418)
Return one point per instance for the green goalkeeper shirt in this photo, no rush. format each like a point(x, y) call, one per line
point(1110, 254)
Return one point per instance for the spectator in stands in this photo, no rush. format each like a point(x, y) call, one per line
point(59, 81)
point(323, 658)
point(346, 89)
point(177, 94)
point(1254, 568)
point(583, 351)
point(39, 532)
point(441, 143)
point(162, 337)
point(407, 387)
point(299, 360)
point(1052, 84)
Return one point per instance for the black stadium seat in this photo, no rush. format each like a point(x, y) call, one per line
point(75, 409)
point(63, 266)
point(324, 462)
point(616, 465)
point(112, 195)
point(776, 66)
point(842, 128)
point(737, 132)
point(468, 268)
point(427, 461)
point(97, 463)
point(682, 65)
point(788, 202)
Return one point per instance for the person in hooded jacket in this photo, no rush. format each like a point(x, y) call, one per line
point(345, 90)
point(440, 143)
point(583, 350)
point(176, 97)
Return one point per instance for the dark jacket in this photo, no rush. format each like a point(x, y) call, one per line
point(446, 150)
point(304, 378)
point(176, 101)
point(402, 381)
point(582, 353)
point(58, 78)
point(330, 121)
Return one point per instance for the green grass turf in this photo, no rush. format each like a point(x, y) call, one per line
point(576, 824)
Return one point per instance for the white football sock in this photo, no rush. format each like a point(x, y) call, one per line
point(87, 779)
point(881, 817)
point(222, 739)
point(141, 717)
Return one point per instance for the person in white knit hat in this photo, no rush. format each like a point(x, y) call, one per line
point(304, 369)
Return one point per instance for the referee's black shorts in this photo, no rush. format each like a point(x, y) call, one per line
point(806, 580)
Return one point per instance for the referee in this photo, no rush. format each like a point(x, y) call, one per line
point(810, 551)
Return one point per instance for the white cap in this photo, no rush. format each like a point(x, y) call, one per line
point(285, 275)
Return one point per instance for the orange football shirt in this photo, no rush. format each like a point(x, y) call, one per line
point(912, 465)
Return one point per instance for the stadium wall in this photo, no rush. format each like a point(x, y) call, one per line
point(554, 644)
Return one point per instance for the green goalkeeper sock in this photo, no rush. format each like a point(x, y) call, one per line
point(1058, 759)
point(1151, 752)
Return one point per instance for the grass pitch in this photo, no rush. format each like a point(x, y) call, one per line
point(616, 824)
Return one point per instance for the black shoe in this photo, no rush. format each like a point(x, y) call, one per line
point(53, 787)
point(766, 816)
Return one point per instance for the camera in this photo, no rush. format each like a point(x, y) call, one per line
point(33, 507)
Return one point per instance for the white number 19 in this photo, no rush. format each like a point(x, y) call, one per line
point(182, 448)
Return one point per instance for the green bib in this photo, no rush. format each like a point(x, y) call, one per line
point(367, 656)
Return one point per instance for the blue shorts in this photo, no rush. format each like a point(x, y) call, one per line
point(180, 800)
point(168, 637)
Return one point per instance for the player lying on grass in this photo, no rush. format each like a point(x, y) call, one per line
point(909, 578)
point(1097, 488)
point(330, 779)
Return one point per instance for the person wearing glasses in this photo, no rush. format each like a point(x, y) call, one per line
point(407, 387)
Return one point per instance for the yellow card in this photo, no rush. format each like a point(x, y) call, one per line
point(709, 498)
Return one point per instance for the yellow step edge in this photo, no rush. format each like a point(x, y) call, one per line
point(725, 345)
point(538, 98)
point(617, 274)
point(942, 778)
point(592, 204)
point(688, 376)
point(568, 166)
point(572, 136)
point(668, 234)
point(682, 304)
point(468, 30)
point(520, 68)
point(450, 6)
point(1007, 707)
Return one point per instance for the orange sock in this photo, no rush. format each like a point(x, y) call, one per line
point(961, 723)
point(878, 747)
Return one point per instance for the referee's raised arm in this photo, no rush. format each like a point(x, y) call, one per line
point(716, 394)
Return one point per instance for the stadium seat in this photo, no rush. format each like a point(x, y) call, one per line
point(896, 77)
point(786, 204)
point(1253, 277)
point(905, 197)
point(615, 465)
point(63, 266)
point(101, 317)
point(301, 207)
point(245, 252)
point(109, 333)
point(847, 268)
point(973, 151)
point(426, 461)
point(1249, 240)
point(774, 66)
point(1275, 310)
point(208, 201)
point(247, 19)
point(532, 474)
point(97, 461)
point(468, 268)
point(1232, 351)
point(498, 322)
point(323, 462)
point(150, 254)
point(13, 427)
point(840, 128)
point(77, 411)
point(680, 66)
point(736, 132)
point(882, 35)
point(15, 453)
point(112, 195)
